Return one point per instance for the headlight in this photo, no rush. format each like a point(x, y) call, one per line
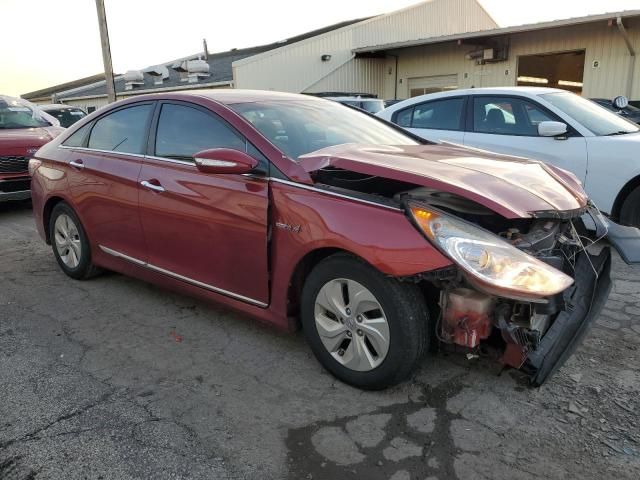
point(487, 259)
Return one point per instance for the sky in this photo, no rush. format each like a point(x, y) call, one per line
point(47, 42)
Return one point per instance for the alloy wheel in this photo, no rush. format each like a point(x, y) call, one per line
point(351, 324)
point(67, 241)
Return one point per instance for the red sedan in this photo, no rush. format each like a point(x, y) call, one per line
point(23, 130)
point(300, 211)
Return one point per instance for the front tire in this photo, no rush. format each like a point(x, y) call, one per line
point(367, 329)
point(70, 244)
point(630, 211)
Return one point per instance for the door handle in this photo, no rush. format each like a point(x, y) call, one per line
point(152, 186)
point(77, 164)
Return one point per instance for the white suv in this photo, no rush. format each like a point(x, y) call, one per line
point(555, 126)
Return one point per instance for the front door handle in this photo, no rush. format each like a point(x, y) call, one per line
point(77, 164)
point(152, 186)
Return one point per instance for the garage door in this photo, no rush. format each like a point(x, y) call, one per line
point(432, 84)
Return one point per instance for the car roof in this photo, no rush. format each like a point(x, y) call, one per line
point(498, 90)
point(229, 96)
point(57, 106)
point(522, 91)
point(355, 99)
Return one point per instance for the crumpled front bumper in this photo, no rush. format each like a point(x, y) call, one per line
point(583, 302)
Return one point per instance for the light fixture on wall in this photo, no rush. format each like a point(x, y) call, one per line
point(569, 83)
point(533, 80)
point(325, 57)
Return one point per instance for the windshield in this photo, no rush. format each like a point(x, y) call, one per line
point(598, 120)
point(300, 127)
point(66, 116)
point(18, 113)
point(372, 106)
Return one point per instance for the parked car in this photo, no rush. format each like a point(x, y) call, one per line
point(628, 111)
point(67, 115)
point(24, 128)
point(371, 105)
point(293, 209)
point(552, 125)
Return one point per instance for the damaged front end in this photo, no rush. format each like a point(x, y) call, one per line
point(530, 262)
point(538, 324)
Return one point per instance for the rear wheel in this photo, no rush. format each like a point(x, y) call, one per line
point(630, 211)
point(367, 329)
point(70, 244)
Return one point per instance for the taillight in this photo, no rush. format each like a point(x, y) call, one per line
point(33, 165)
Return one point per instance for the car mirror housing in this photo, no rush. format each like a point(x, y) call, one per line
point(224, 160)
point(552, 129)
point(621, 102)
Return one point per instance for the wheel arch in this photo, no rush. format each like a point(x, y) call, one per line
point(46, 214)
point(300, 273)
point(629, 187)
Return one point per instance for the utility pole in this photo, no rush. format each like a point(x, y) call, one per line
point(106, 52)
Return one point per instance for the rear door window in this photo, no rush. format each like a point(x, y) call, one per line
point(443, 114)
point(183, 131)
point(123, 131)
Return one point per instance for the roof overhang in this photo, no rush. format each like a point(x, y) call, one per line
point(481, 35)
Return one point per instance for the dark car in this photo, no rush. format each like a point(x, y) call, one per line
point(298, 211)
point(629, 112)
point(23, 130)
point(67, 115)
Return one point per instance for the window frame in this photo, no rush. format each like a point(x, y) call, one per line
point(262, 167)
point(471, 105)
point(463, 115)
point(85, 141)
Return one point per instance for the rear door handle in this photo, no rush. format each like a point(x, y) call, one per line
point(152, 186)
point(79, 164)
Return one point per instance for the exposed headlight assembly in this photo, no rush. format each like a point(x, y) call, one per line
point(488, 261)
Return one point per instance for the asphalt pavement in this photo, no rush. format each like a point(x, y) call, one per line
point(113, 378)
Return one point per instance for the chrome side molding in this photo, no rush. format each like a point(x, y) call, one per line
point(177, 276)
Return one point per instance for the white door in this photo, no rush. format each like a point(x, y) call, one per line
point(435, 120)
point(509, 125)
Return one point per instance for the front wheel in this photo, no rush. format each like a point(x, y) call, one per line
point(630, 211)
point(367, 329)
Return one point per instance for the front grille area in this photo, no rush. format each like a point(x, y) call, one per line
point(13, 163)
point(19, 185)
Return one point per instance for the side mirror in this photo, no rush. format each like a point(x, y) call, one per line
point(552, 129)
point(224, 160)
point(621, 102)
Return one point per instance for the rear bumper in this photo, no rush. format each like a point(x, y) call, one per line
point(15, 188)
point(583, 302)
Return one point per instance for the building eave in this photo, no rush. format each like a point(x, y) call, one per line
point(500, 31)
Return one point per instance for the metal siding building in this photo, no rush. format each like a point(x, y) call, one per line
point(601, 43)
point(300, 67)
point(424, 48)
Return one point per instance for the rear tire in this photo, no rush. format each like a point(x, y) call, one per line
point(630, 211)
point(70, 244)
point(381, 308)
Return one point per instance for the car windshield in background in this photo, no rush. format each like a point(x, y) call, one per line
point(599, 120)
point(299, 127)
point(19, 116)
point(372, 106)
point(66, 116)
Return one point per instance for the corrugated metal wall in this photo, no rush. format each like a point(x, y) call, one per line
point(363, 75)
point(601, 43)
point(434, 18)
point(296, 67)
point(299, 68)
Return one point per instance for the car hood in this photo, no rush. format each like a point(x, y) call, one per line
point(511, 186)
point(27, 137)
